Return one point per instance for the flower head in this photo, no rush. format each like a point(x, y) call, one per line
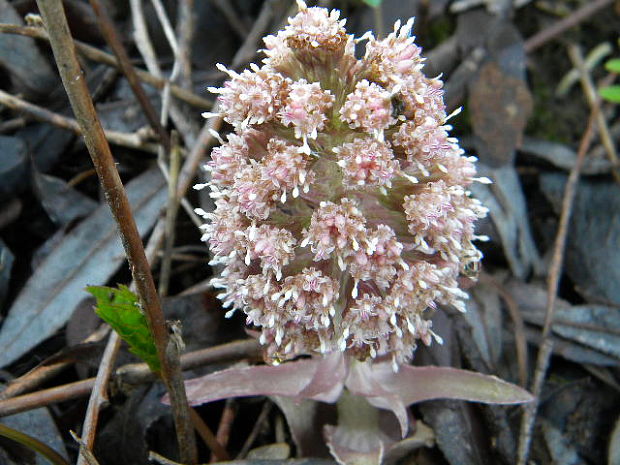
point(342, 212)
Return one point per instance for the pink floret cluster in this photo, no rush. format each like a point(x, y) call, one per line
point(342, 217)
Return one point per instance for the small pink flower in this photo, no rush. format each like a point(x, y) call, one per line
point(272, 246)
point(378, 261)
point(423, 99)
point(253, 195)
point(286, 168)
point(335, 228)
point(227, 160)
point(310, 30)
point(367, 162)
point(306, 109)
point(251, 97)
point(395, 58)
point(368, 107)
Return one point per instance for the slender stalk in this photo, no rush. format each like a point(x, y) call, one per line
point(579, 15)
point(208, 437)
point(72, 77)
point(123, 139)
point(171, 214)
point(589, 90)
point(111, 37)
point(33, 444)
point(99, 394)
point(94, 54)
point(553, 280)
point(185, 32)
point(133, 373)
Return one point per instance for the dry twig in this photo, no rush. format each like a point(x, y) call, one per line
point(94, 54)
point(123, 139)
point(132, 374)
point(98, 396)
point(208, 437)
point(555, 269)
point(578, 16)
point(519, 326)
point(262, 417)
point(589, 90)
point(225, 426)
point(72, 77)
point(111, 36)
point(185, 34)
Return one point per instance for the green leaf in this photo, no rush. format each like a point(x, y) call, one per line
point(373, 3)
point(611, 93)
point(120, 308)
point(613, 65)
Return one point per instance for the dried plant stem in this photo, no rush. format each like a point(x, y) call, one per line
point(232, 17)
point(156, 458)
point(165, 24)
point(86, 456)
point(72, 77)
point(98, 396)
point(262, 417)
point(99, 56)
point(12, 125)
point(111, 36)
point(45, 397)
point(143, 42)
point(171, 214)
point(517, 321)
point(589, 89)
point(248, 50)
point(132, 141)
point(133, 373)
point(41, 374)
point(185, 34)
point(225, 426)
point(208, 437)
point(579, 15)
point(546, 347)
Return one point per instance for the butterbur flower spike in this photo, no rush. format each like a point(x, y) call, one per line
point(342, 213)
point(343, 217)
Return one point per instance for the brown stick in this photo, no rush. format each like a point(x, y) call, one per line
point(225, 426)
point(185, 33)
point(132, 141)
point(133, 373)
point(99, 56)
point(72, 77)
point(46, 397)
point(208, 437)
point(546, 347)
point(98, 396)
point(42, 373)
point(579, 15)
point(172, 208)
point(111, 37)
